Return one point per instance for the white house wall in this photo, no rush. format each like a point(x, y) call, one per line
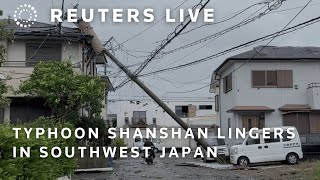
point(243, 94)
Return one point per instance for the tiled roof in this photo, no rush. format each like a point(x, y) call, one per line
point(285, 52)
point(40, 30)
point(274, 53)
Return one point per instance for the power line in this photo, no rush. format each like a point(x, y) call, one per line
point(196, 50)
point(225, 20)
point(138, 34)
point(242, 11)
point(257, 52)
point(270, 8)
point(168, 40)
point(279, 33)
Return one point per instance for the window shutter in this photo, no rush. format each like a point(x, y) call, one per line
point(192, 109)
point(229, 82)
point(44, 52)
point(258, 78)
point(285, 78)
point(314, 123)
point(272, 78)
point(225, 84)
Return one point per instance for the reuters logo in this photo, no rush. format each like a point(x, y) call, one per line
point(25, 15)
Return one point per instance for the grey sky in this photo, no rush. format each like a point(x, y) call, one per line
point(146, 42)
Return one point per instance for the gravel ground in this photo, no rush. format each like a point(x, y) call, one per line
point(304, 170)
point(130, 169)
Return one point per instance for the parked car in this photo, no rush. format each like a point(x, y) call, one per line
point(221, 147)
point(158, 144)
point(258, 150)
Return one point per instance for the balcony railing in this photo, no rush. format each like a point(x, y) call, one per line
point(29, 64)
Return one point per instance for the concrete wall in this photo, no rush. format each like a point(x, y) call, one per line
point(243, 94)
point(125, 109)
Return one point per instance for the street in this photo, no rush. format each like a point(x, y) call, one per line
point(166, 168)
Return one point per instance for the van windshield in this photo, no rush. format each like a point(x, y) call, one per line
point(215, 142)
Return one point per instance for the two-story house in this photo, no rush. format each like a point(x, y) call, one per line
point(277, 87)
point(37, 43)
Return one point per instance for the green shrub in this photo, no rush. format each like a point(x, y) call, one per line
point(118, 142)
point(93, 122)
point(317, 173)
point(34, 167)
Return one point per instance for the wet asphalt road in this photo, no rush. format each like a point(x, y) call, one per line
point(167, 169)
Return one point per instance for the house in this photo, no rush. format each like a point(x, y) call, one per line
point(37, 43)
point(277, 87)
point(148, 114)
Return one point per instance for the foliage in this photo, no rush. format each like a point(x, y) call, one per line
point(65, 91)
point(34, 167)
point(118, 142)
point(5, 35)
point(317, 172)
point(87, 123)
point(4, 101)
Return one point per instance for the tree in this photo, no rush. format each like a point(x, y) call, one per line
point(65, 91)
point(5, 35)
point(4, 101)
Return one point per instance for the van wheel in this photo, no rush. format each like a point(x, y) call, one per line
point(243, 161)
point(292, 158)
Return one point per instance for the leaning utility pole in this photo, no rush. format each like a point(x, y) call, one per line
point(99, 49)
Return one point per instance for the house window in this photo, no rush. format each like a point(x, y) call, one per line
point(314, 119)
point(272, 78)
point(24, 110)
point(205, 107)
point(217, 103)
point(182, 111)
point(139, 118)
point(36, 52)
point(227, 83)
point(298, 120)
point(256, 121)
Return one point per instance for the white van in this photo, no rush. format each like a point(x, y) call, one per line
point(257, 150)
point(158, 144)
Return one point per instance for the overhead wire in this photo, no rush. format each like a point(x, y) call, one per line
point(269, 9)
point(256, 53)
point(222, 21)
point(199, 48)
point(279, 33)
point(138, 34)
point(168, 40)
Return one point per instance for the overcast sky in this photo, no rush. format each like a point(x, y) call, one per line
point(179, 81)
